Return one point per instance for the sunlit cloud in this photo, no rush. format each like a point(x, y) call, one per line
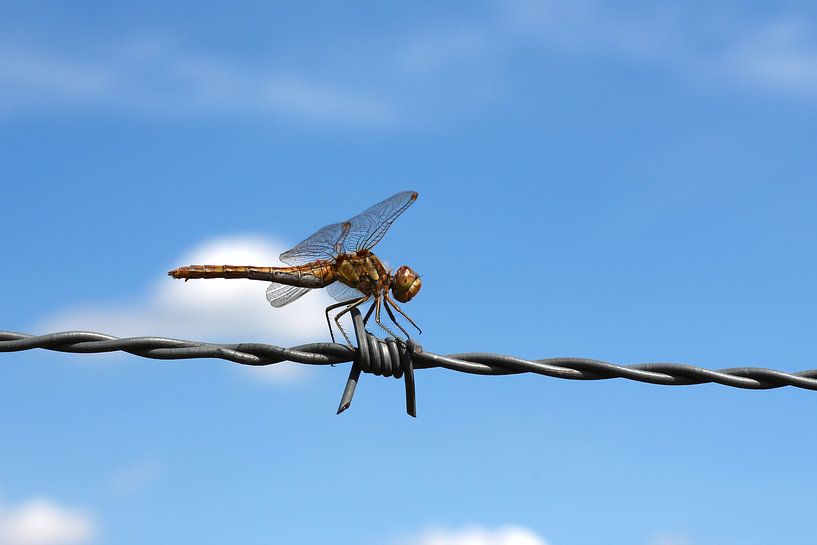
point(475, 535)
point(211, 310)
point(42, 521)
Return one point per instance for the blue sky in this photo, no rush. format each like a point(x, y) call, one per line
point(627, 182)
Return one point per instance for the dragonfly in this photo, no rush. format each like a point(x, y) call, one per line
point(337, 257)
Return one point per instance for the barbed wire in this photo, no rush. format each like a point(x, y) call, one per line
point(394, 358)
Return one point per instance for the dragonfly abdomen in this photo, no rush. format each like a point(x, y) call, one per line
point(307, 276)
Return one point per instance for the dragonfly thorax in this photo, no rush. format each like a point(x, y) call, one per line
point(363, 271)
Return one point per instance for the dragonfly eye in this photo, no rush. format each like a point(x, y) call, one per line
point(405, 284)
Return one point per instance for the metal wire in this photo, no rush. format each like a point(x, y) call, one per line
point(398, 359)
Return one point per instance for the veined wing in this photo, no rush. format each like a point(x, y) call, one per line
point(361, 232)
point(341, 293)
point(279, 295)
point(367, 228)
point(326, 244)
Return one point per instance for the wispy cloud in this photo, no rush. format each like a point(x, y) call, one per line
point(27, 71)
point(704, 47)
point(417, 72)
point(669, 539)
point(590, 28)
point(135, 476)
point(214, 310)
point(780, 56)
point(475, 535)
point(707, 48)
point(42, 521)
point(156, 77)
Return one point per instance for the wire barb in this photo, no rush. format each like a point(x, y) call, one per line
point(388, 358)
point(394, 358)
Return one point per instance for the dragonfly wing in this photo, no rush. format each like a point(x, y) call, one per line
point(325, 244)
point(341, 292)
point(367, 228)
point(359, 233)
point(279, 295)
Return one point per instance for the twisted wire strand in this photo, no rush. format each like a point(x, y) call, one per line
point(391, 360)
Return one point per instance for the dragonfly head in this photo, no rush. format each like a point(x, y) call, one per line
point(405, 284)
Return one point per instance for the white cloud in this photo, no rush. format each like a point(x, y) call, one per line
point(210, 310)
point(475, 535)
point(42, 521)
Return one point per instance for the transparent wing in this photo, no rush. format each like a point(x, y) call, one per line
point(359, 233)
point(279, 295)
point(367, 228)
point(340, 292)
point(325, 244)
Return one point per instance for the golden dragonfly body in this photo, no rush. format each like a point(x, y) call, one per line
point(338, 257)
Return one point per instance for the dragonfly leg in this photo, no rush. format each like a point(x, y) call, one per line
point(393, 319)
point(400, 310)
point(368, 313)
point(354, 304)
point(377, 302)
point(329, 322)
